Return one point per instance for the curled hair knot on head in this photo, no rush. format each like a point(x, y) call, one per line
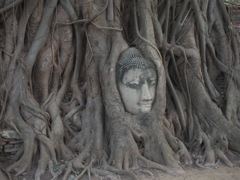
point(132, 58)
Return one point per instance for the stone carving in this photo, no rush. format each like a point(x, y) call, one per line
point(136, 80)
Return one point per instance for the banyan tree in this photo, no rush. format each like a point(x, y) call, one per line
point(111, 86)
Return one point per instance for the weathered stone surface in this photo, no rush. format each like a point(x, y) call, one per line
point(8, 146)
point(10, 142)
point(4, 140)
point(15, 149)
point(10, 134)
point(2, 143)
point(18, 145)
point(15, 141)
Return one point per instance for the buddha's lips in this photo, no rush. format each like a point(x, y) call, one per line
point(145, 105)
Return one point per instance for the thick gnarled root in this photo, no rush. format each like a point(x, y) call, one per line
point(125, 154)
point(220, 154)
point(42, 163)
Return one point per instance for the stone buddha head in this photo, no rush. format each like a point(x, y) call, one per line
point(136, 80)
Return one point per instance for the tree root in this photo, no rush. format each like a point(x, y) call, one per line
point(178, 147)
point(2, 176)
point(77, 162)
point(199, 165)
point(72, 112)
point(87, 168)
point(75, 165)
point(10, 6)
point(210, 160)
point(223, 157)
point(42, 163)
point(68, 171)
point(47, 143)
point(52, 170)
point(145, 172)
point(69, 117)
point(121, 172)
point(57, 132)
point(153, 165)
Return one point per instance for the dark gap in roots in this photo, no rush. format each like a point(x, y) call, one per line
point(67, 97)
point(221, 84)
point(140, 145)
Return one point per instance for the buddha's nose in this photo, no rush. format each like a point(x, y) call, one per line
point(145, 93)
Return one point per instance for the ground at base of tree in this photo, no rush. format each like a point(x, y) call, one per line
point(221, 172)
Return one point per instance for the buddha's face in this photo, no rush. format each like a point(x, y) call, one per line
point(137, 89)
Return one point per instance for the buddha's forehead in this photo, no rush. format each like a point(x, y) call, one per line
point(137, 74)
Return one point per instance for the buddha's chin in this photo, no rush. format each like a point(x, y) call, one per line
point(145, 108)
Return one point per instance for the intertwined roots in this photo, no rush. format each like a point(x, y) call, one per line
point(58, 85)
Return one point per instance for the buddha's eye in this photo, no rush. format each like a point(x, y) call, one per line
point(133, 84)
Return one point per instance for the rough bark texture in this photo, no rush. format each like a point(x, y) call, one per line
point(58, 85)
